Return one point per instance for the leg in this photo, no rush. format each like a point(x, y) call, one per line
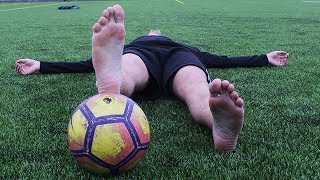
point(115, 73)
point(107, 47)
point(135, 76)
point(223, 113)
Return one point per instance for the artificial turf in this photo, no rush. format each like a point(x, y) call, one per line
point(280, 138)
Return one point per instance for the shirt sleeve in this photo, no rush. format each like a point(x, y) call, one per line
point(66, 67)
point(215, 61)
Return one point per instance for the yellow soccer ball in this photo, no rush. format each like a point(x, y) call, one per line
point(108, 134)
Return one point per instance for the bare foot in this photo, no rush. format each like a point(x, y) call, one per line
point(228, 113)
point(107, 48)
point(27, 66)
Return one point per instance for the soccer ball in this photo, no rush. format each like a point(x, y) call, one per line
point(108, 134)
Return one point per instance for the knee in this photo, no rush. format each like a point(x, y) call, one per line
point(189, 81)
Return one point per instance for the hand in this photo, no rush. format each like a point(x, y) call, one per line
point(27, 66)
point(278, 58)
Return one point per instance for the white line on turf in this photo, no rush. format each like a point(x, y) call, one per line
point(28, 7)
point(11, 4)
point(180, 2)
point(312, 1)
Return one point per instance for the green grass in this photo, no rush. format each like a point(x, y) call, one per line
point(280, 138)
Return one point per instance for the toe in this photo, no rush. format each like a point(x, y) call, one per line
point(215, 87)
point(111, 13)
point(118, 13)
point(230, 88)
point(102, 21)
point(96, 28)
point(106, 14)
point(240, 102)
point(234, 95)
point(225, 84)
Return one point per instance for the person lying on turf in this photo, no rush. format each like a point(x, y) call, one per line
point(159, 65)
point(30, 66)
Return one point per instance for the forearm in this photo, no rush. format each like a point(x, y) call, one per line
point(215, 61)
point(66, 67)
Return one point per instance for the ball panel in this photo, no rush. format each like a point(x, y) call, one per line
point(92, 166)
point(134, 161)
point(112, 143)
point(106, 104)
point(141, 124)
point(77, 130)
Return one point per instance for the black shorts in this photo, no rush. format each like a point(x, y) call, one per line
point(163, 58)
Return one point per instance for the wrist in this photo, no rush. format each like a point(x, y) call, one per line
point(268, 58)
point(37, 66)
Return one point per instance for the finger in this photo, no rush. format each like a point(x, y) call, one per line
point(16, 68)
point(22, 71)
point(283, 58)
point(282, 63)
point(281, 52)
point(21, 61)
point(19, 70)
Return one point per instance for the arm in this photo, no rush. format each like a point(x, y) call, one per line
point(67, 67)
point(30, 66)
point(275, 58)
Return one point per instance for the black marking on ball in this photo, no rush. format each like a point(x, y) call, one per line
point(107, 100)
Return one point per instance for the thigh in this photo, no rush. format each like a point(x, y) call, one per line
point(135, 71)
point(181, 68)
point(141, 76)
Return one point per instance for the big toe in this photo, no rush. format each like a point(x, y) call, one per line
point(215, 87)
point(118, 13)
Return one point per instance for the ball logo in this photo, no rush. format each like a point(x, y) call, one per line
point(107, 100)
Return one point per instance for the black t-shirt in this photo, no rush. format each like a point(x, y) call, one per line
point(208, 59)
